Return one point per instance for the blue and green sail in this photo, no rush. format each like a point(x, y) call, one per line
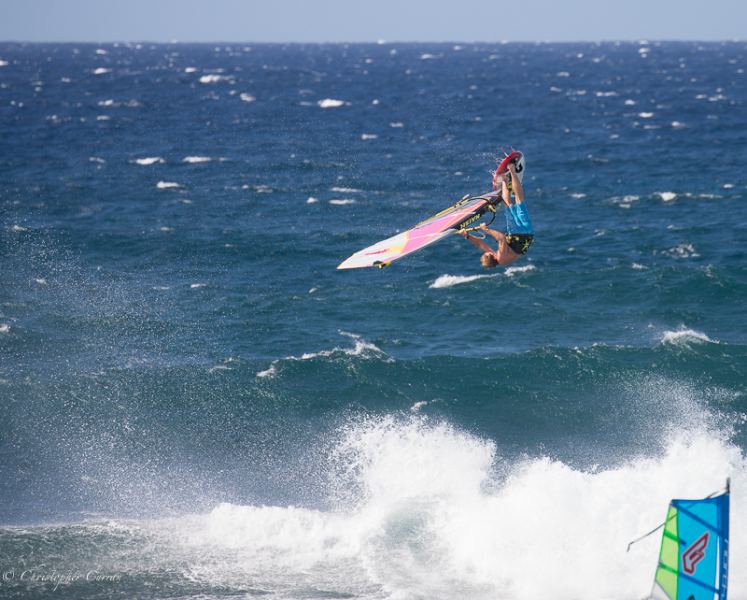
point(694, 555)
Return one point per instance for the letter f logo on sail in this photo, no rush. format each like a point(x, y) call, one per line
point(694, 554)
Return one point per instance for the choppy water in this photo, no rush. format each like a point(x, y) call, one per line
point(197, 405)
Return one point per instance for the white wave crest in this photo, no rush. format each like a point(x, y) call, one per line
point(166, 185)
point(342, 201)
point(247, 97)
point(361, 348)
point(196, 159)
point(447, 281)
point(511, 271)
point(101, 71)
point(418, 510)
point(684, 336)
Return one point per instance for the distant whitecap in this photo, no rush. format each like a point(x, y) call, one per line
point(212, 78)
point(196, 159)
point(396, 124)
point(645, 115)
point(311, 200)
point(342, 201)
point(3, 63)
point(190, 70)
point(369, 136)
point(247, 97)
point(330, 103)
point(165, 185)
point(148, 160)
point(667, 196)
point(101, 71)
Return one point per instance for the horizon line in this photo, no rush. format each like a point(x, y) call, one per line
point(381, 42)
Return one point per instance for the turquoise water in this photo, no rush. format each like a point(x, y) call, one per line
point(197, 404)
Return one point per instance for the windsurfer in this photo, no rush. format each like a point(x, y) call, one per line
point(519, 235)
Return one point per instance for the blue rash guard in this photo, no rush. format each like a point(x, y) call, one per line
point(517, 220)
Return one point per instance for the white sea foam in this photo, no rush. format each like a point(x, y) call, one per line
point(683, 250)
point(196, 159)
point(396, 124)
point(728, 186)
point(684, 336)
point(311, 200)
point(330, 103)
point(197, 286)
point(342, 201)
point(19, 228)
point(667, 196)
point(638, 266)
point(578, 195)
point(149, 160)
point(191, 70)
point(344, 190)
point(446, 281)
point(3, 63)
point(101, 71)
point(645, 115)
point(369, 136)
point(247, 97)
point(630, 102)
point(419, 511)
point(4, 328)
point(165, 185)
point(677, 125)
point(428, 56)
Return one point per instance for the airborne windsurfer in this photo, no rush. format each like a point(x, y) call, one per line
point(519, 235)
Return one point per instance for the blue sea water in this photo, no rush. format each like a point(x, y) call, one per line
point(196, 404)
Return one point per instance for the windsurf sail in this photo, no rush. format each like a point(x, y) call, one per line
point(694, 554)
point(456, 217)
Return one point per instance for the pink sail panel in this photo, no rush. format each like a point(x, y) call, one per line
point(423, 234)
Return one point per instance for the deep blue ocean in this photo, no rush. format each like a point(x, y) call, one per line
point(197, 404)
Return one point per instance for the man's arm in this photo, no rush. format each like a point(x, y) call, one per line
point(476, 242)
point(496, 234)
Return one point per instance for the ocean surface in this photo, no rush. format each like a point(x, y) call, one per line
point(196, 404)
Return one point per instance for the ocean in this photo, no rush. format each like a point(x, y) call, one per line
point(197, 404)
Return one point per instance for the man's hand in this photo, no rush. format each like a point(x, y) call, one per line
point(484, 227)
point(512, 168)
point(463, 233)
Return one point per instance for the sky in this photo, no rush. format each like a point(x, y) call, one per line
point(370, 20)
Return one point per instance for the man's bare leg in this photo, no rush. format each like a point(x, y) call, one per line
point(516, 184)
